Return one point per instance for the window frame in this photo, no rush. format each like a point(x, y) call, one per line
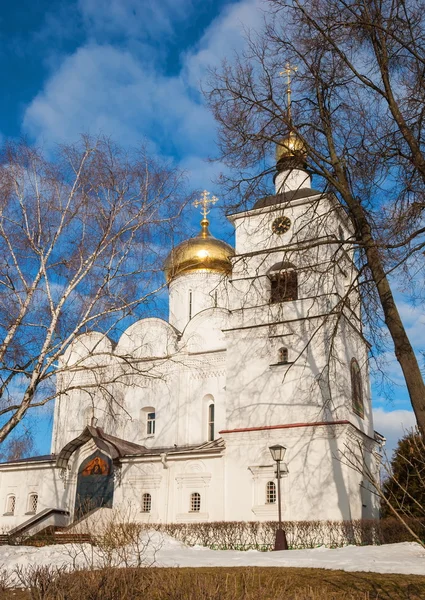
point(271, 493)
point(32, 507)
point(150, 423)
point(283, 356)
point(211, 422)
point(195, 502)
point(146, 503)
point(10, 505)
point(357, 400)
point(283, 285)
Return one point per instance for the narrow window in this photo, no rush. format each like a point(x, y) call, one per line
point(271, 492)
point(195, 502)
point(32, 503)
point(146, 503)
point(283, 287)
point(150, 423)
point(211, 422)
point(356, 388)
point(215, 298)
point(11, 505)
point(190, 304)
point(341, 233)
point(283, 356)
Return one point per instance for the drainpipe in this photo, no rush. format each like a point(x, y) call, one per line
point(167, 491)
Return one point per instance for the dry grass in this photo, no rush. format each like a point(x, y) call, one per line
point(221, 584)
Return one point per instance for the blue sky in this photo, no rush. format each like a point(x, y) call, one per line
point(132, 69)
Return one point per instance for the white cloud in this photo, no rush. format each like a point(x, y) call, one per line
point(393, 425)
point(105, 88)
point(102, 89)
point(222, 38)
point(134, 18)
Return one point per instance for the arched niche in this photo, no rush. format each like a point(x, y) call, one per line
point(148, 338)
point(204, 332)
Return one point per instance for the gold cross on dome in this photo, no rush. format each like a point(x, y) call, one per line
point(287, 71)
point(205, 201)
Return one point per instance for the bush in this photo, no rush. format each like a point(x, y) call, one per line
point(247, 535)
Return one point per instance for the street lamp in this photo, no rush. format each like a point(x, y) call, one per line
point(278, 453)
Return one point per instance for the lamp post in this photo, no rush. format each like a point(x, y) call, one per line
point(278, 453)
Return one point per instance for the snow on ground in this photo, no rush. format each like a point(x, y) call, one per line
point(406, 558)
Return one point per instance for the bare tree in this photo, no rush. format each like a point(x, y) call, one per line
point(359, 111)
point(81, 242)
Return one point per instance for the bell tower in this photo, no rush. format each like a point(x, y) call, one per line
point(295, 308)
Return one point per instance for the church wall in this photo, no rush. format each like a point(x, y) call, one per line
point(318, 485)
point(23, 479)
point(170, 481)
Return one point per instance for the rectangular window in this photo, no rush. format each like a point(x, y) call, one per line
point(195, 502)
point(283, 287)
point(146, 503)
point(32, 503)
point(190, 304)
point(11, 505)
point(151, 424)
point(211, 422)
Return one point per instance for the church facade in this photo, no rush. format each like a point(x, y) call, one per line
point(263, 346)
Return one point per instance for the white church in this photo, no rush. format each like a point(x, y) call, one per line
point(263, 346)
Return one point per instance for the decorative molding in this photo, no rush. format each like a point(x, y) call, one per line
point(268, 511)
point(208, 374)
point(193, 480)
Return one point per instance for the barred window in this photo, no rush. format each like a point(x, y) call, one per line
point(11, 505)
point(283, 355)
point(271, 492)
point(32, 503)
point(283, 286)
point(356, 388)
point(195, 502)
point(146, 503)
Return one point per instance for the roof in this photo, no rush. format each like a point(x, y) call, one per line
point(287, 197)
point(113, 446)
point(41, 458)
point(118, 448)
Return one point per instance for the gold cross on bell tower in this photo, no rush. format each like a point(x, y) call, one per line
point(205, 201)
point(287, 71)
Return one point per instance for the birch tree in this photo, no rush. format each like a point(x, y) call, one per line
point(81, 243)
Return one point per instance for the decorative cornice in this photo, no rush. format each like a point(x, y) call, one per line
point(286, 426)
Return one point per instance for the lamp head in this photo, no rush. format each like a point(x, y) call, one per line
point(277, 452)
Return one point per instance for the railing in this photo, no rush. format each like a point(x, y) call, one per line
point(47, 518)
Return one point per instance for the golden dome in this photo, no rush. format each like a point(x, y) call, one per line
point(201, 253)
point(291, 146)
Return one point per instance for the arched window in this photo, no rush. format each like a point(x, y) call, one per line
point(283, 283)
point(356, 388)
point(11, 504)
point(283, 356)
point(271, 492)
point(146, 503)
point(32, 504)
point(210, 422)
point(148, 420)
point(195, 502)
